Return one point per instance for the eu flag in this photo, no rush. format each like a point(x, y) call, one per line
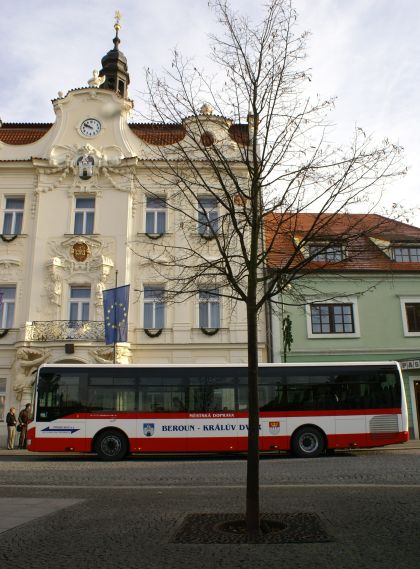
point(116, 313)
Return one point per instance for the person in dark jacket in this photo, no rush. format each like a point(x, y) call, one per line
point(24, 419)
point(11, 421)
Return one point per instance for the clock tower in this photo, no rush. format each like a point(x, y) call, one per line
point(114, 66)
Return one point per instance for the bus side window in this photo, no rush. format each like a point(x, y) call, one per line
point(242, 398)
point(269, 398)
point(211, 398)
point(222, 399)
point(162, 399)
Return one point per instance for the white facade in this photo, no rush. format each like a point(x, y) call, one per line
point(82, 190)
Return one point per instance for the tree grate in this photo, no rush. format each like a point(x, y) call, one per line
point(300, 527)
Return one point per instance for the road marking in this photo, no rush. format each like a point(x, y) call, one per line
point(201, 487)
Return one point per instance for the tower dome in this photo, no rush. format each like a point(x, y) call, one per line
point(114, 65)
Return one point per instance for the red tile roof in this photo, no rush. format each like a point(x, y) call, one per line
point(23, 133)
point(287, 233)
point(156, 134)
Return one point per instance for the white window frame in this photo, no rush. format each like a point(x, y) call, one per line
point(13, 212)
point(154, 302)
point(84, 212)
point(215, 299)
point(403, 301)
point(6, 308)
point(79, 302)
point(155, 212)
point(209, 224)
point(337, 300)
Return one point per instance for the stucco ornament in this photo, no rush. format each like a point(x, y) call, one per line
point(67, 156)
point(54, 281)
point(85, 164)
point(106, 355)
point(10, 268)
point(96, 81)
point(27, 359)
point(206, 109)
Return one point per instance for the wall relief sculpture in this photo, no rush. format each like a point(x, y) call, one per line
point(106, 355)
point(26, 361)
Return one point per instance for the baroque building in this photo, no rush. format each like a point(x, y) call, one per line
point(78, 200)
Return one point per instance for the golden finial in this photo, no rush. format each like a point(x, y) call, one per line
point(117, 17)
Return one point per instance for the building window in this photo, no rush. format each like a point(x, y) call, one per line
point(155, 215)
point(13, 216)
point(208, 219)
point(7, 306)
point(327, 253)
point(410, 308)
point(412, 311)
point(407, 254)
point(209, 308)
point(332, 319)
point(84, 216)
point(79, 302)
point(154, 308)
point(2, 399)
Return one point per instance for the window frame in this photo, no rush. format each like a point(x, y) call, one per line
point(80, 303)
point(408, 248)
point(207, 217)
point(14, 212)
point(404, 300)
point(213, 298)
point(85, 211)
point(325, 250)
point(4, 315)
point(155, 302)
point(155, 211)
point(350, 300)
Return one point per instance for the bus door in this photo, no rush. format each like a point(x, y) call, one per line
point(60, 425)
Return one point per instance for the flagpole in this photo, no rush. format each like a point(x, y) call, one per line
point(115, 316)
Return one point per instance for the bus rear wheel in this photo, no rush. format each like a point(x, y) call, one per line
point(111, 445)
point(308, 442)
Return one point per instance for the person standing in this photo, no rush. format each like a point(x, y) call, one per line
point(24, 418)
point(11, 421)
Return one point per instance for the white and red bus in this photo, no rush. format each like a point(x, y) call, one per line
point(114, 410)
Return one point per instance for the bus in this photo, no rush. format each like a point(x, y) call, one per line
point(116, 410)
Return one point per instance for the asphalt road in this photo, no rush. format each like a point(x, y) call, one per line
point(75, 511)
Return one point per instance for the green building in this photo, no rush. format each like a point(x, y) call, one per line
point(358, 299)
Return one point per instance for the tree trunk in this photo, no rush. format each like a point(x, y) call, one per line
point(253, 481)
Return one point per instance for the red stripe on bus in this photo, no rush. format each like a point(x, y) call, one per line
point(213, 444)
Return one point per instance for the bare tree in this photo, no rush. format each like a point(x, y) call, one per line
point(236, 184)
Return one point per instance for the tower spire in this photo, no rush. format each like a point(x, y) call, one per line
point(114, 65)
point(117, 27)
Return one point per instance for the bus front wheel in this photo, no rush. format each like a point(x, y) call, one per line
point(111, 445)
point(308, 442)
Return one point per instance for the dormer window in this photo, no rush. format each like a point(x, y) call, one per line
point(406, 254)
point(326, 252)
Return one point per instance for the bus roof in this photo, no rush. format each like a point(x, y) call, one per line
point(211, 365)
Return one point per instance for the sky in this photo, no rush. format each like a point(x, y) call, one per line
point(364, 52)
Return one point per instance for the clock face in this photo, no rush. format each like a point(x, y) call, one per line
point(90, 127)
